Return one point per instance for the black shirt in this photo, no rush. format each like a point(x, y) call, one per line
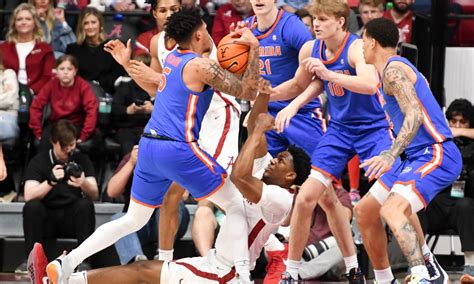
point(62, 194)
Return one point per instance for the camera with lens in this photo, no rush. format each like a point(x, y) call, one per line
point(71, 168)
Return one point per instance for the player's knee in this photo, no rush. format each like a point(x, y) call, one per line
point(364, 211)
point(305, 201)
point(148, 271)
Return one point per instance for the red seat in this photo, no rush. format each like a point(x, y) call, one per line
point(465, 29)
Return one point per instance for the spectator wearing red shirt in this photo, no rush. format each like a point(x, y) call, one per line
point(24, 52)
point(70, 97)
point(235, 11)
point(402, 16)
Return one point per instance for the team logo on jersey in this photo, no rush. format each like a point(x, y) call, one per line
point(342, 61)
point(406, 170)
point(274, 37)
point(223, 51)
point(427, 151)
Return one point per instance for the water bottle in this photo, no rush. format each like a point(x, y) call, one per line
point(23, 102)
point(244, 105)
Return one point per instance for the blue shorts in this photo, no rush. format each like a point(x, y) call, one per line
point(160, 162)
point(430, 170)
point(305, 131)
point(340, 144)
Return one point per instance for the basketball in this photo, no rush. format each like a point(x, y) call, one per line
point(232, 56)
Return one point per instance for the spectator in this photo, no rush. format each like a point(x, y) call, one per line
point(402, 16)
point(8, 103)
point(322, 257)
point(56, 30)
point(70, 97)
point(131, 109)
point(55, 187)
point(233, 12)
point(24, 51)
point(118, 5)
point(453, 208)
point(306, 18)
point(369, 10)
point(160, 10)
point(95, 64)
point(129, 248)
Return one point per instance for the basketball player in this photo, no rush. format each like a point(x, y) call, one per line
point(264, 183)
point(168, 150)
point(281, 36)
point(432, 161)
point(220, 127)
point(358, 126)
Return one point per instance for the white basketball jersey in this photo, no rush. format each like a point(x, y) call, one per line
point(218, 100)
point(263, 218)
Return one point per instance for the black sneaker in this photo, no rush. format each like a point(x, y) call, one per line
point(437, 273)
point(287, 279)
point(355, 276)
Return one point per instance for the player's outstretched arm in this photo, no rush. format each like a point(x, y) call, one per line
point(242, 170)
point(365, 82)
point(222, 80)
point(398, 84)
point(299, 82)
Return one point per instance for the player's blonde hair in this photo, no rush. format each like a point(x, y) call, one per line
point(336, 8)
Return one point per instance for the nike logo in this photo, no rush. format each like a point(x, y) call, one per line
point(232, 64)
point(181, 280)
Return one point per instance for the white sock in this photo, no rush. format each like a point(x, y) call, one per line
point(384, 276)
point(292, 267)
point(107, 234)
point(242, 267)
point(420, 270)
point(469, 258)
point(165, 255)
point(351, 262)
point(78, 278)
point(426, 250)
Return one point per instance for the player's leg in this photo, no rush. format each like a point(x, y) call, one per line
point(204, 227)
point(137, 272)
point(340, 226)
point(169, 221)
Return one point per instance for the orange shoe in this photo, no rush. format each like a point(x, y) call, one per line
point(468, 276)
point(276, 265)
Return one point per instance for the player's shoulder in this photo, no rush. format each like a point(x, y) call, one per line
point(397, 68)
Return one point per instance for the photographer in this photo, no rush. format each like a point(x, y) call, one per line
point(131, 109)
point(453, 208)
point(56, 182)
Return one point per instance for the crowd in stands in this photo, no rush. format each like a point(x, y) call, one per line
point(60, 90)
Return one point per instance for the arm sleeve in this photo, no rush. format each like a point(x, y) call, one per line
point(36, 110)
point(91, 107)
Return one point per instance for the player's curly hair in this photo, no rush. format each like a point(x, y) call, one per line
point(182, 24)
point(384, 31)
point(301, 163)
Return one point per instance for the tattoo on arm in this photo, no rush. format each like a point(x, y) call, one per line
point(397, 84)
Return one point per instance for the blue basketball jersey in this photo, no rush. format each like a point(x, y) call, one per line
point(278, 53)
point(345, 107)
point(434, 128)
point(178, 111)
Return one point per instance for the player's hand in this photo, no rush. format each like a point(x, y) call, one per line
point(264, 122)
point(378, 165)
point(138, 68)
point(284, 117)
point(316, 66)
point(240, 24)
point(245, 36)
point(264, 87)
point(119, 51)
point(76, 181)
point(3, 170)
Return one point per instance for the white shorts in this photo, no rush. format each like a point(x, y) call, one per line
point(196, 270)
point(380, 192)
point(219, 135)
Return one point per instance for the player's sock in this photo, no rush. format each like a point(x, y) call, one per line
point(165, 255)
point(426, 250)
point(78, 278)
point(292, 267)
point(109, 233)
point(384, 276)
point(420, 270)
point(351, 262)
